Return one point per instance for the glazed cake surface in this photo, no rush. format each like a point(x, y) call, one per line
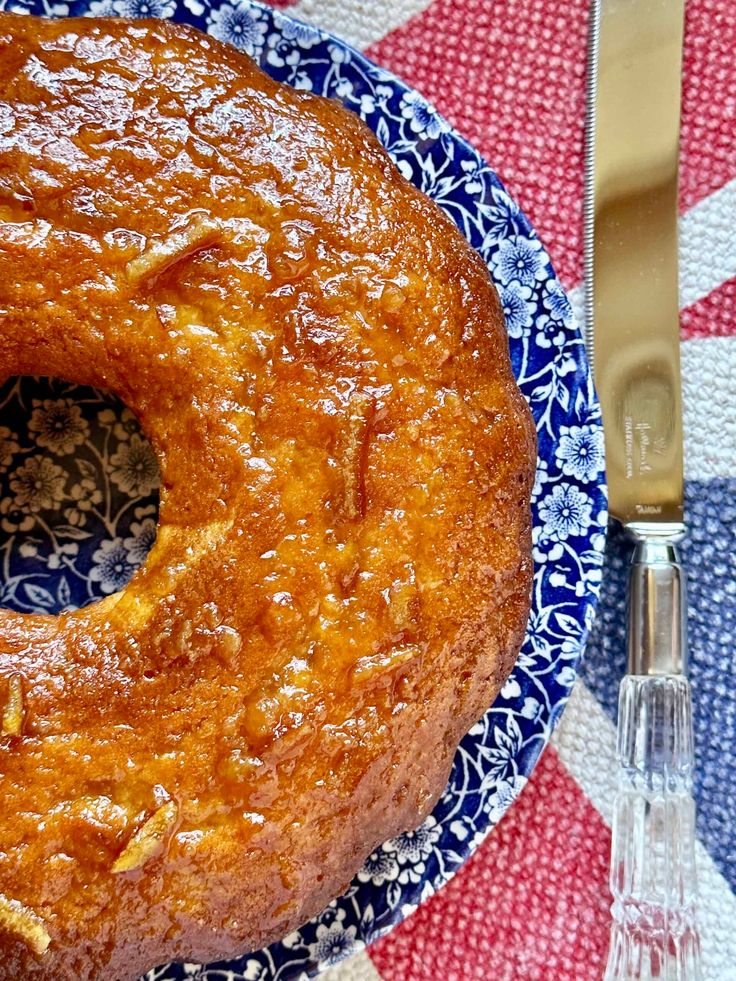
point(340, 584)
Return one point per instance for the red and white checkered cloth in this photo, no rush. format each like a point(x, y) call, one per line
point(532, 904)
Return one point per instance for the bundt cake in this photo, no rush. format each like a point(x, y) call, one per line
point(340, 581)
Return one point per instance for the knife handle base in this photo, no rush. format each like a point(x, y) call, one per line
point(657, 622)
point(654, 934)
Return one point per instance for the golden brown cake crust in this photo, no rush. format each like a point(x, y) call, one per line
point(341, 579)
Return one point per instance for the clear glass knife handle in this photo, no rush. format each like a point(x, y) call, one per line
point(654, 933)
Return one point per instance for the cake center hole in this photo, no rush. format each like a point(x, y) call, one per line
point(78, 495)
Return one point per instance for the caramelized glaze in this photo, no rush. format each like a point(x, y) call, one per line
point(340, 581)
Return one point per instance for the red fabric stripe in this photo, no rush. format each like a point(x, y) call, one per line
point(713, 316)
point(280, 3)
point(531, 903)
point(708, 138)
point(516, 88)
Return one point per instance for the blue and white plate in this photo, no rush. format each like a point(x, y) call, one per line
point(78, 497)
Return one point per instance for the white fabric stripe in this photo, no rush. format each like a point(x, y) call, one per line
point(708, 244)
point(707, 249)
point(709, 397)
point(359, 967)
point(359, 22)
point(585, 741)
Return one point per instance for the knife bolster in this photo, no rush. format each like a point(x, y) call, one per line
point(657, 639)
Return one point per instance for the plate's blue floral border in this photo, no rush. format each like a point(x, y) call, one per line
point(497, 756)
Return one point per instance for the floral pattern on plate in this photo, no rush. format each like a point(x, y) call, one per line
point(497, 756)
point(78, 495)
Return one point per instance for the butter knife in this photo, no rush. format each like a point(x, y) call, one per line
point(632, 336)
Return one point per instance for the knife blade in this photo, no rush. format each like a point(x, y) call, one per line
point(633, 315)
point(632, 336)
